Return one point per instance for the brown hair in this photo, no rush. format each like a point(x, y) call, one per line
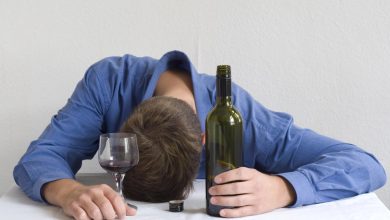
point(169, 141)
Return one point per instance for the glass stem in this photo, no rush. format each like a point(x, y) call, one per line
point(118, 181)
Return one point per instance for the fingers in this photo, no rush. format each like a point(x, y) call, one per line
point(96, 202)
point(130, 211)
point(239, 174)
point(239, 212)
point(88, 207)
point(105, 206)
point(234, 201)
point(77, 212)
point(116, 201)
point(251, 191)
point(232, 188)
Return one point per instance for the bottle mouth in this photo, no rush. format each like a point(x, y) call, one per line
point(223, 71)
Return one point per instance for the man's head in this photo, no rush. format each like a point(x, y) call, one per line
point(169, 141)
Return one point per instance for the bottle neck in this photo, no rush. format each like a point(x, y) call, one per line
point(224, 91)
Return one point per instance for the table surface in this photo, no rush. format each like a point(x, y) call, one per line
point(14, 204)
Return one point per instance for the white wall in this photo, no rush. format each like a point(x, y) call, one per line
point(325, 62)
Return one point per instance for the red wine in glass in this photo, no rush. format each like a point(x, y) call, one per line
point(114, 166)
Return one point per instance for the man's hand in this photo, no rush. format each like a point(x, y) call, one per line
point(86, 202)
point(255, 192)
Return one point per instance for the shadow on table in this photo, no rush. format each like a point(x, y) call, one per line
point(194, 211)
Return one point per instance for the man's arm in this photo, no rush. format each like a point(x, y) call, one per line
point(322, 169)
point(72, 136)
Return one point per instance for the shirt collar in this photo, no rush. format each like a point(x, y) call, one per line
point(178, 59)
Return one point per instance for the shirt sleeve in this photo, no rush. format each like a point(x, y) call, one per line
point(319, 168)
point(71, 137)
point(322, 169)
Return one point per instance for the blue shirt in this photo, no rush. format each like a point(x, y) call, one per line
point(319, 168)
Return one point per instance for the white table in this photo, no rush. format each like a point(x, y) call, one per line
point(15, 205)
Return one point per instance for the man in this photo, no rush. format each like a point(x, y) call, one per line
point(284, 165)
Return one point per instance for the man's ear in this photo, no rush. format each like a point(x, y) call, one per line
point(203, 135)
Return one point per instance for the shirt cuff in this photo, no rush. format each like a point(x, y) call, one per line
point(303, 188)
point(49, 177)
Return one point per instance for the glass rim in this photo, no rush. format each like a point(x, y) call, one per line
point(118, 135)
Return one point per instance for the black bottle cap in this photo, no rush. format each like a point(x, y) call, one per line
point(176, 205)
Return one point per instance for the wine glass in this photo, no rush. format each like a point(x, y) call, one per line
point(118, 153)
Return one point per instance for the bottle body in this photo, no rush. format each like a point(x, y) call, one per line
point(223, 140)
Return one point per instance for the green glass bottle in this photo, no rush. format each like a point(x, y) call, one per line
point(223, 135)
